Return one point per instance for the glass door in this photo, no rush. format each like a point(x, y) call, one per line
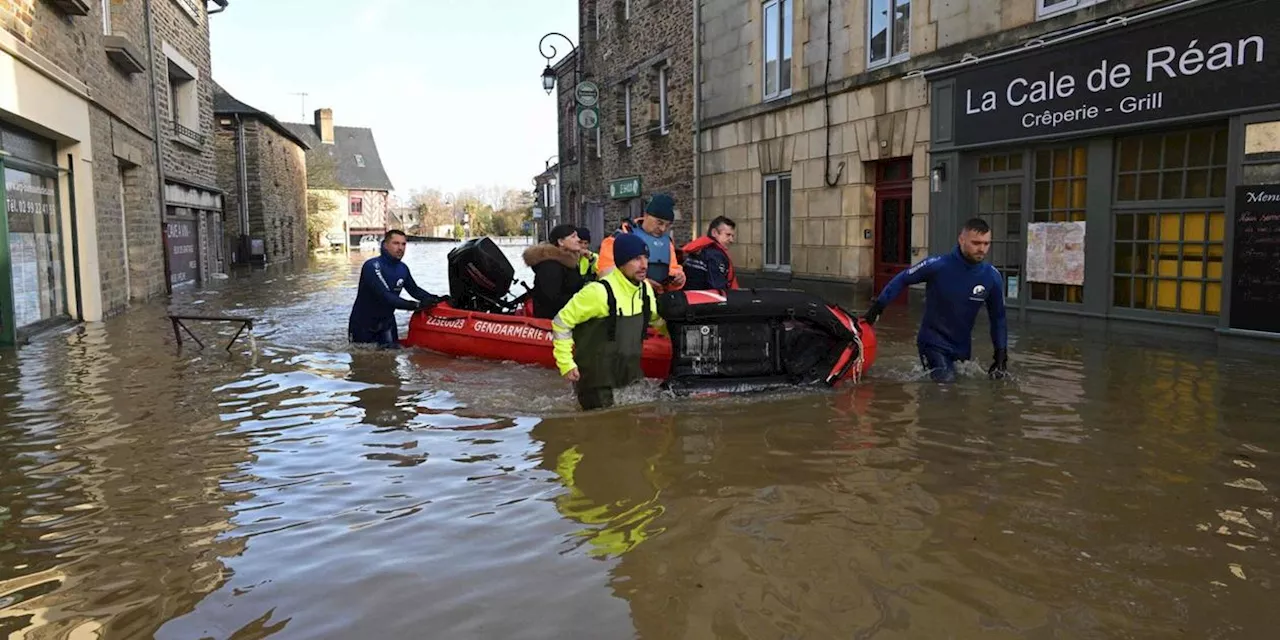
point(34, 243)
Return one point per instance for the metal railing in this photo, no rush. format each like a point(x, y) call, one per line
point(190, 134)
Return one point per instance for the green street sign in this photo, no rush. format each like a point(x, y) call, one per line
point(624, 188)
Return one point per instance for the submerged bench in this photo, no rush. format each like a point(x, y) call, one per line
point(245, 323)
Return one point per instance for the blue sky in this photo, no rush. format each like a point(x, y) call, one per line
point(451, 88)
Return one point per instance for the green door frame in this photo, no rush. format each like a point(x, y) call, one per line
point(8, 333)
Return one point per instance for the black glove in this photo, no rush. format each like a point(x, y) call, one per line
point(999, 365)
point(431, 301)
point(873, 313)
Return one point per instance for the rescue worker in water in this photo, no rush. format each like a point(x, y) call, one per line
point(598, 336)
point(382, 278)
point(959, 283)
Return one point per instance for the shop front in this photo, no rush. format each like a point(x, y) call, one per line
point(32, 269)
point(1126, 168)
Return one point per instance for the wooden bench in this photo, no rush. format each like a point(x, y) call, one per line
point(245, 323)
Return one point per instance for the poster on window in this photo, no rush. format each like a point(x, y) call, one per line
point(1055, 252)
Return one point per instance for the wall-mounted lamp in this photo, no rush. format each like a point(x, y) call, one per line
point(937, 177)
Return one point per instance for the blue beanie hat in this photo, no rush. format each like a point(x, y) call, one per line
point(661, 206)
point(627, 247)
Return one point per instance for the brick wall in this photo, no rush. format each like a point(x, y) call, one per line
point(185, 160)
point(630, 50)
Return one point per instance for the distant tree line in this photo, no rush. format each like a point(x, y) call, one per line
point(490, 211)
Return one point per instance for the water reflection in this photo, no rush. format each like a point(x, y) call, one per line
point(319, 490)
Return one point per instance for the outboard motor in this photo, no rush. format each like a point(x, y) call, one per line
point(756, 339)
point(480, 276)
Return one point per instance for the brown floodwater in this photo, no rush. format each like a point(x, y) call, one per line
point(314, 490)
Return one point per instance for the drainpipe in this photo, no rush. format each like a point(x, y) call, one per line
point(242, 177)
point(155, 132)
point(75, 234)
point(826, 99)
point(697, 119)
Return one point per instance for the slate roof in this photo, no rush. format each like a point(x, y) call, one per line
point(225, 103)
point(348, 142)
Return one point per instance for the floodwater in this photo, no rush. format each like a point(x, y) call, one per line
point(313, 490)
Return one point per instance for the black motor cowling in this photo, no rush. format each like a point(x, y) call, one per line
point(480, 275)
point(752, 338)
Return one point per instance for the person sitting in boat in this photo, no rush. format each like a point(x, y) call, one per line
point(555, 270)
point(598, 337)
point(707, 264)
point(665, 272)
point(587, 263)
point(959, 283)
point(382, 278)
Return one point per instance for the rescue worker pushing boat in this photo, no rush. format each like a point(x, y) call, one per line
point(598, 336)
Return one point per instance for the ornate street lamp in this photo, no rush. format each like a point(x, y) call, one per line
point(549, 74)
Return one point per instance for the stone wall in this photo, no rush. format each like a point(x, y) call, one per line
point(182, 29)
point(631, 50)
point(279, 191)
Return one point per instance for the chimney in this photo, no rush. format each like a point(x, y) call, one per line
point(324, 125)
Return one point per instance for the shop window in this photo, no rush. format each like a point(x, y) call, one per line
point(1182, 165)
point(1000, 204)
point(999, 163)
point(1170, 261)
point(777, 48)
point(888, 31)
point(777, 221)
point(1060, 189)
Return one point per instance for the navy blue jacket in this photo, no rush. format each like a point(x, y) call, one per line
point(956, 289)
point(706, 269)
point(378, 296)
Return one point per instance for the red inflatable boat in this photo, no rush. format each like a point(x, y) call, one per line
point(513, 338)
point(742, 339)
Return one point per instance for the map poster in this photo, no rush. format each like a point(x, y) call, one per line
point(1055, 252)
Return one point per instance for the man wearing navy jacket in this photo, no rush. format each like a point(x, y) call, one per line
point(958, 284)
point(373, 316)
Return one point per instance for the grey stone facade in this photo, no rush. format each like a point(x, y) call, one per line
point(275, 176)
point(621, 50)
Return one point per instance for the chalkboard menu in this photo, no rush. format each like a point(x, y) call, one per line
point(1255, 269)
point(180, 247)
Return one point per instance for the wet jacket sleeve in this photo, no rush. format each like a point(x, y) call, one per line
point(919, 272)
point(373, 279)
point(717, 268)
point(590, 302)
point(417, 292)
point(996, 312)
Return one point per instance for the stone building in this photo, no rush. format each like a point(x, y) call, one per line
point(640, 54)
point(262, 171)
point(193, 216)
point(1126, 166)
point(78, 148)
point(566, 171)
point(345, 179)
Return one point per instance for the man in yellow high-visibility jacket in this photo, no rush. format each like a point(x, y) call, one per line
point(587, 263)
point(605, 323)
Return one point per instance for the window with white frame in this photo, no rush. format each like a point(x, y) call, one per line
point(626, 112)
point(777, 221)
point(184, 102)
point(664, 101)
point(888, 31)
point(777, 48)
point(106, 17)
point(1050, 8)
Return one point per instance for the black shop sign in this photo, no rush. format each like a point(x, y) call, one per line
point(180, 244)
point(1225, 57)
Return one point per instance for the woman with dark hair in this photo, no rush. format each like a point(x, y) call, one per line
point(556, 276)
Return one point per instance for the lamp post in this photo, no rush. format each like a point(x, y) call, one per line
point(549, 85)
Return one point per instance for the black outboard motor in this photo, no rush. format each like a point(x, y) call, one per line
point(480, 277)
point(755, 339)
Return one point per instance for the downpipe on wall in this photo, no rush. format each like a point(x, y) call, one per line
point(826, 100)
point(159, 159)
point(697, 118)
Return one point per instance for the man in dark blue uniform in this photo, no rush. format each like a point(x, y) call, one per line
point(373, 316)
point(958, 284)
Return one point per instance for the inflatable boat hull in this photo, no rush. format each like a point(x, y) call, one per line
point(493, 336)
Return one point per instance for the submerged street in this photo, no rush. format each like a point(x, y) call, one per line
point(1110, 489)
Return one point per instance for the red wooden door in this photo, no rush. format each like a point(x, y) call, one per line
point(893, 222)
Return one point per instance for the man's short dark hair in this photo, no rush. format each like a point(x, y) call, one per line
point(393, 233)
point(977, 225)
point(720, 220)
